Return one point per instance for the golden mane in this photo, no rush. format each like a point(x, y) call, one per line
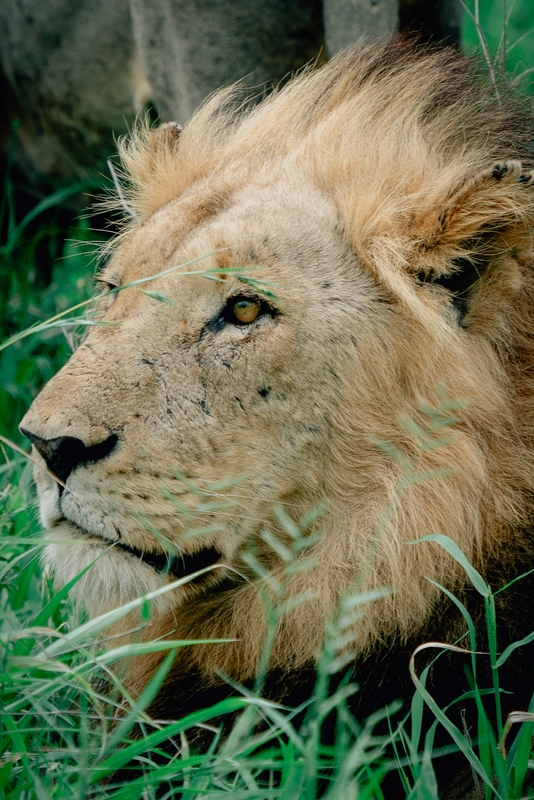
point(427, 115)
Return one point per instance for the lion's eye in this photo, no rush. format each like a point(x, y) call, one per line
point(242, 310)
point(107, 285)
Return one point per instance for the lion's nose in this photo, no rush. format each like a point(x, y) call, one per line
point(65, 453)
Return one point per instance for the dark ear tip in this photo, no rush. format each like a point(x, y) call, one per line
point(170, 129)
point(165, 137)
point(498, 171)
point(173, 127)
point(513, 170)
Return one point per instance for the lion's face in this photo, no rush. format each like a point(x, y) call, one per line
point(226, 379)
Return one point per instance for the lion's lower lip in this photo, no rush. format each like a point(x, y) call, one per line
point(177, 566)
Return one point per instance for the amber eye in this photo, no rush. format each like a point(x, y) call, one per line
point(243, 310)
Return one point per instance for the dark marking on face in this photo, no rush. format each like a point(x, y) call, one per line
point(238, 400)
point(203, 407)
point(264, 392)
point(326, 285)
point(213, 326)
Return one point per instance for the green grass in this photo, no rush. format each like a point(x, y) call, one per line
point(508, 28)
point(59, 735)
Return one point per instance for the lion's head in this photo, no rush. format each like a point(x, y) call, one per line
point(300, 282)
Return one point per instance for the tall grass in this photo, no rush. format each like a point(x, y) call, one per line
point(62, 736)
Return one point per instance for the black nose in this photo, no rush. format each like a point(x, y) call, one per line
point(64, 454)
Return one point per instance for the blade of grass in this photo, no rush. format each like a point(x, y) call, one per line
point(93, 627)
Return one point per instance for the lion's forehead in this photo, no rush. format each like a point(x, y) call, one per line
point(274, 229)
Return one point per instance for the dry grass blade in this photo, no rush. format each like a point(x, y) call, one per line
point(514, 718)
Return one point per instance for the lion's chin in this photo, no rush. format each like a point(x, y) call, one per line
point(110, 574)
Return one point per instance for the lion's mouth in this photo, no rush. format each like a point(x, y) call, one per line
point(176, 566)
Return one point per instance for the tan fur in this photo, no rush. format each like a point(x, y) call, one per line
point(350, 191)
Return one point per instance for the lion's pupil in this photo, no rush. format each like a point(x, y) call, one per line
point(246, 311)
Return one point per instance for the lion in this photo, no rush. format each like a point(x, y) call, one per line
point(297, 286)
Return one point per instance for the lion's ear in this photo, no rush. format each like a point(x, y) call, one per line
point(473, 242)
point(149, 158)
